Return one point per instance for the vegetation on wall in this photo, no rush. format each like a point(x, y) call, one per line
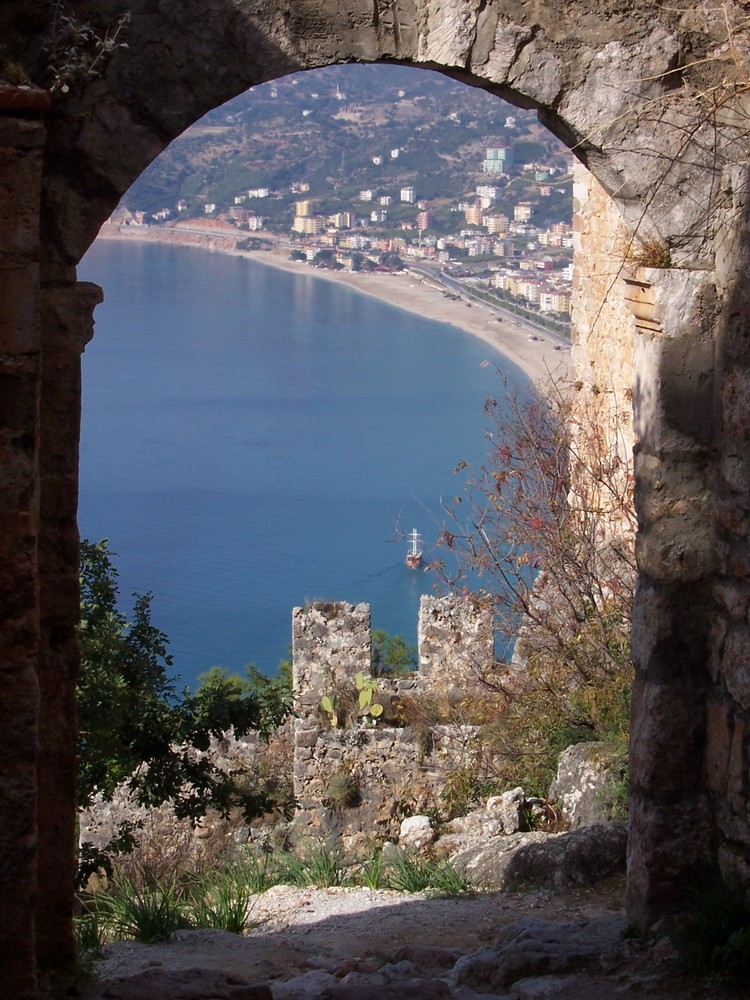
point(546, 528)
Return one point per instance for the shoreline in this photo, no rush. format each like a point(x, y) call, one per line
point(406, 290)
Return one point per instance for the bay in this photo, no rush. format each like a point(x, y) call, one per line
point(252, 439)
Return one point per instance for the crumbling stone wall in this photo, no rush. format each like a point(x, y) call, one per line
point(621, 85)
point(388, 772)
point(727, 705)
point(455, 639)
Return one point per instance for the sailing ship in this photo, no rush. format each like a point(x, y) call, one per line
point(414, 555)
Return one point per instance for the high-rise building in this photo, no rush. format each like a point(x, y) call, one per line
point(497, 159)
point(473, 215)
point(522, 211)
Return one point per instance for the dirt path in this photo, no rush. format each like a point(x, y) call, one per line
point(310, 943)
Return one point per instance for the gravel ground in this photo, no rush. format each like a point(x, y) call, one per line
point(302, 938)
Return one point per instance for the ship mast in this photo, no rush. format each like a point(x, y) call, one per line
point(414, 555)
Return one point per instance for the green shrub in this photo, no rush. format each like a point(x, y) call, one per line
point(713, 935)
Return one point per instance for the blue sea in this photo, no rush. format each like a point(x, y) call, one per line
point(253, 439)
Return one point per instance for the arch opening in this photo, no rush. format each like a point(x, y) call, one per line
point(401, 177)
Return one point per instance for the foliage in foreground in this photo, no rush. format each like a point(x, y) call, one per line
point(152, 910)
point(392, 655)
point(545, 528)
point(713, 935)
point(136, 728)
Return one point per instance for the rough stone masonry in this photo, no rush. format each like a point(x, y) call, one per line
point(386, 767)
point(653, 100)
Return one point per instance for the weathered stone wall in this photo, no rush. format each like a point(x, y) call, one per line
point(602, 352)
point(622, 85)
point(455, 643)
point(727, 707)
point(331, 643)
point(392, 771)
point(22, 138)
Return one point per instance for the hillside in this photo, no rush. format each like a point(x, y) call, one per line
point(343, 129)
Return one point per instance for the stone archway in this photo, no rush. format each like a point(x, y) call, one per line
point(642, 97)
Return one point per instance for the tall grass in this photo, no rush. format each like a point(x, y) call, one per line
point(148, 914)
point(221, 902)
point(222, 899)
point(409, 873)
point(317, 864)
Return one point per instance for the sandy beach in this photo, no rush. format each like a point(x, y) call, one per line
point(539, 358)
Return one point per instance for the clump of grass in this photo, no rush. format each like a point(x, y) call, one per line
point(649, 251)
point(220, 903)
point(257, 870)
point(88, 934)
point(410, 873)
point(318, 864)
point(342, 790)
point(223, 898)
point(148, 914)
point(371, 871)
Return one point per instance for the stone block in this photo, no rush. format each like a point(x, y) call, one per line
point(735, 392)
point(737, 780)
point(735, 664)
point(19, 309)
point(415, 833)
point(718, 742)
point(734, 597)
point(581, 777)
point(507, 808)
point(667, 738)
point(306, 738)
point(670, 842)
point(20, 183)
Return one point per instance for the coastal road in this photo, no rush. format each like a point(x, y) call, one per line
point(465, 291)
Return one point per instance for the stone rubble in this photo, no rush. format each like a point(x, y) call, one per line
point(533, 947)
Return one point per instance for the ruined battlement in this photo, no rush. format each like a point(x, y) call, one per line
point(384, 766)
point(332, 643)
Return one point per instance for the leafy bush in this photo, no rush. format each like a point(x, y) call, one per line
point(136, 729)
point(392, 655)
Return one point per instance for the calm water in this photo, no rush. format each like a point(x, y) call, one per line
point(251, 439)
